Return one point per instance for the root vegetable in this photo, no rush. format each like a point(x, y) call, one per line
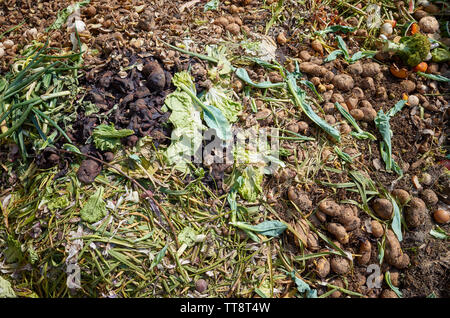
point(329, 207)
point(415, 212)
point(369, 114)
point(358, 114)
point(383, 208)
point(222, 21)
point(317, 46)
point(387, 293)
point(441, 216)
point(343, 82)
point(302, 230)
point(313, 69)
point(300, 198)
point(281, 38)
point(337, 282)
point(377, 228)
point(429, 24)
point(323, 267)
point(401, 195)
point(370, 69)
point(394, 254)
point(233, 28)
point(365, 249)
point(340, 265)
point(429, 197)
point(339, 232)
point(355, 69)
point(349, 220)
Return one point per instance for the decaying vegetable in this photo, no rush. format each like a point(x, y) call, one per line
point(339, 232)
point(323, 267)
point(401, 195)
point(393, 253)
point(411, 49)
point(349, 219)
point(340, 265)
point(415, 213)
point(365, 249)
point(441, 216)
point(329, 207)
point(377, 228)
point(383, 208)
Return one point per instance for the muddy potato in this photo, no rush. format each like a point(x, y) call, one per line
point(358, 114)
point(370, 69)
point(387, 293)
point(88, 171)
point(233, 28)
point(355, 69)
point(313, 69)
point(369, 114)
point(377, 228)
point(323, 267)
point(393, 253)
point(345, 128)
point(339, 283)
point(429, 197)
point(339, 232)
point(317, 46)
point(395, 278)
point(401, 195)
point(383, 208)
point(348, 219)
point(223, 21)
point(343, 82)
point(331, 208)
point(415, 212)
point(322, 217)
point(365, 249)
point(300, 198)
point(340, 265)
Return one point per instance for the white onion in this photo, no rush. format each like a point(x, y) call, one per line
point(386, 29)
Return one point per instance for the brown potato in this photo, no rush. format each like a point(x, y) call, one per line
point(401, 195)
point(340, 265)
point(415, 212)
point(339, 232)
point(387, 293)
point(233, 28)
point(441, 216)
point(313, 69)
point(358, 114)
point(429, 197)
point(337, 282)
point(365, 249)
point(331, 208)
point(383, 208)
point(349, 220)
point(370, 69)
point(343, 82)
point(377, 229)
point(300, 198)
point(323, 267)
point(369, 114)
point(394, 254)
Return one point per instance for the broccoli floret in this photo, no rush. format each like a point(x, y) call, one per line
point(411, 49)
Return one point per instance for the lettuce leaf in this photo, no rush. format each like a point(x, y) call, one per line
point(217, 97)
point(108, 138)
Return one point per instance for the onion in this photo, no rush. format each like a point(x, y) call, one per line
point(386, 29)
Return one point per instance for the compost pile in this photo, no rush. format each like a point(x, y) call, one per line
point(97, 97)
